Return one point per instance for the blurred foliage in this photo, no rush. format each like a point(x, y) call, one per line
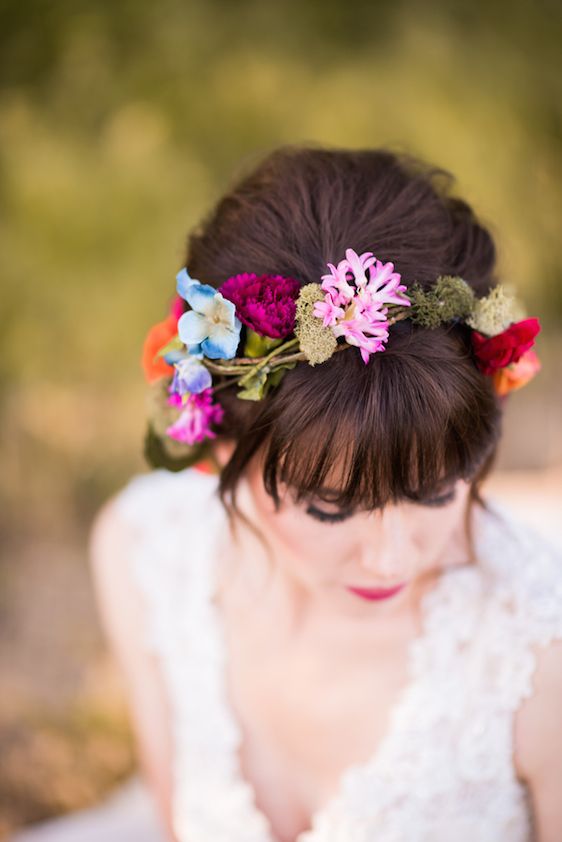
point(122, 122)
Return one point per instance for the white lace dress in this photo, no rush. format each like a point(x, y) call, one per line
point(444, 770)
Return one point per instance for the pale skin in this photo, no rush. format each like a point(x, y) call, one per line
point(318, 642)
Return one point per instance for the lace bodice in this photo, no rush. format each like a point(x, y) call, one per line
point(445, 769)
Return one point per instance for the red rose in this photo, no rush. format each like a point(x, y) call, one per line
point(495, 352)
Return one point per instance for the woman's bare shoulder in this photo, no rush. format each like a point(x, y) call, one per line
point(122, 614)
point(109, 543)
point(137, 544)
point(538, 741)
point(531, 574)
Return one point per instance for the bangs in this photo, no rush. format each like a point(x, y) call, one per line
point(405, 426)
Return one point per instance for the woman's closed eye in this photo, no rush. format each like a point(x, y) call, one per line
point(327, 517)
point(442, 500)
point(338, 517)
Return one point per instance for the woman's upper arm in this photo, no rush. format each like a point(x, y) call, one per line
point(538, 740)
point(121, 611)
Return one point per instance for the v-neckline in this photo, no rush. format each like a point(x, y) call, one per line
point(355, 771)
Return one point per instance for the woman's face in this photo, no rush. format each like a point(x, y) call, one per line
point(324, 551)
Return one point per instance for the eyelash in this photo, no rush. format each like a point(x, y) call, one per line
point(326, 517)
point(338, 517)
point(443, 500)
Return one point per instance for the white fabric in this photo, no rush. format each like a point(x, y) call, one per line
point(129, 814)
point(445, 768)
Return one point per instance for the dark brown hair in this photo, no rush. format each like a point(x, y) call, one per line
point(418, 416)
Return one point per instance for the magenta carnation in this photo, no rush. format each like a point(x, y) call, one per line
point(265, 303)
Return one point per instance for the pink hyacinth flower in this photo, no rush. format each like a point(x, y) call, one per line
point(336, 283)
point(369, 335)
point(357, 264)
point(356, 291)
point(328, 310)
point(384, 285)
point(194, 423)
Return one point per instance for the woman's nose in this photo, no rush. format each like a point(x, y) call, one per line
point(385, 564)
point(384, 550)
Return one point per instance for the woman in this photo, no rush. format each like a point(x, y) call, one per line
point(326, 632)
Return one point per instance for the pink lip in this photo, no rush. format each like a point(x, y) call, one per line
point(377, 593)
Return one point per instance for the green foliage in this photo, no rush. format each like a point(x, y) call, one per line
point(257, 345)
point(275, 376)
point(164, 452)
point(316, 341)
point(258, 381)
point(175, 344)
point(456, 299)
point(450, 297)
point(253, 382)
point(424, 309)
point(159, 449)
point(495, 311)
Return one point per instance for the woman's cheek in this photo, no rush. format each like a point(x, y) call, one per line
point(432, 535)
point(311, 542)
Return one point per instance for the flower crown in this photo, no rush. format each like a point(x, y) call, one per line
point(285, 322)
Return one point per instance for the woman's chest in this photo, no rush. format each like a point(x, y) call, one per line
point(305, 717)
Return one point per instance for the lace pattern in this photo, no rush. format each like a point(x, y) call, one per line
point(445, 768)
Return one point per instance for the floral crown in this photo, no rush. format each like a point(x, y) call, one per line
point(279, 322)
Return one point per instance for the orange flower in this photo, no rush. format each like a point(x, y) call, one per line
point(517, 374)
point(159, 335)
point(205, 466)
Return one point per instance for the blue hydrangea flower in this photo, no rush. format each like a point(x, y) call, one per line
point(183, 282)
point(211, 326)
point(190, 376)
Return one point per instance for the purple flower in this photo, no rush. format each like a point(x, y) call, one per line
point(190, 375)
point(265, 303)
point(198, 413)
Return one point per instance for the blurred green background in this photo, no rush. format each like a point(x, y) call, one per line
point(120, 124)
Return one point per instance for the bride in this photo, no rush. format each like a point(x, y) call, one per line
point(326, 631)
